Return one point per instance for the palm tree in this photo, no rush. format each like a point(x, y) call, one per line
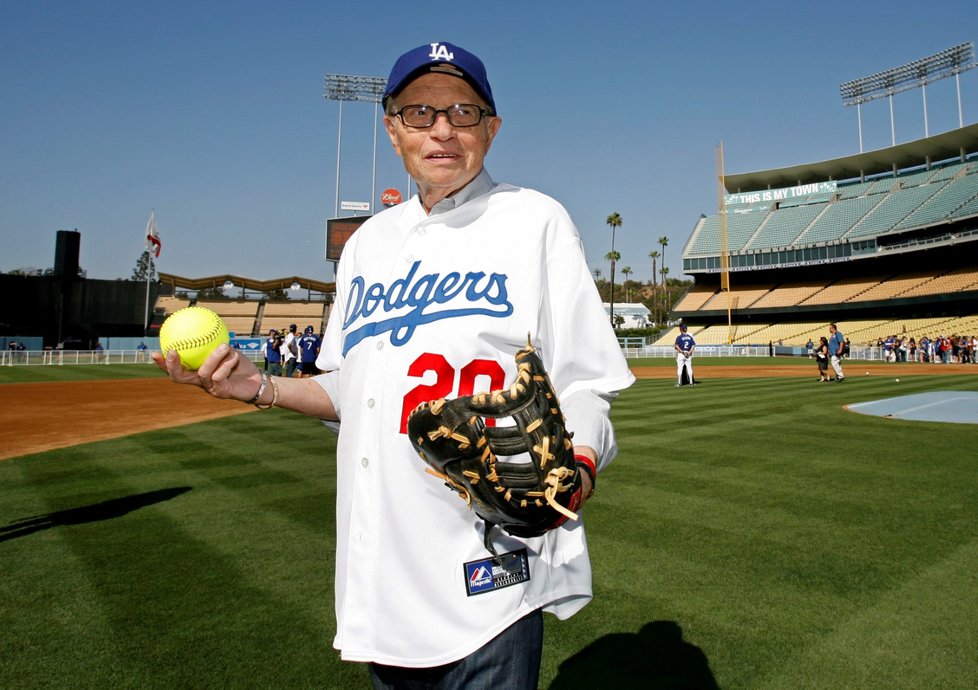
point(665, 293)
point(612, 257)
point(626, 271)
point(654, 254)
point(614, 221)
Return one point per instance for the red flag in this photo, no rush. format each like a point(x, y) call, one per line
point(153, 242)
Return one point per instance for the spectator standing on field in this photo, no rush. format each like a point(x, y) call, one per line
point(837, 345)
point(290, 350)
point(273, 353)
point(888, 352)
point(822, 359)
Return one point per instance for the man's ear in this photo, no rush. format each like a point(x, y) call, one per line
point(392, 133)
point(494, 124)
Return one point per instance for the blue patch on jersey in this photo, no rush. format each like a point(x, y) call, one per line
point(489, 574)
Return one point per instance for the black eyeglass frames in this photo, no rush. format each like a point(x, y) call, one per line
point(459, 115)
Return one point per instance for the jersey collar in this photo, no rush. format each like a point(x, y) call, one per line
point(479, 185)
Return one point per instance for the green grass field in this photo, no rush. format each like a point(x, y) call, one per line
point(751, 534)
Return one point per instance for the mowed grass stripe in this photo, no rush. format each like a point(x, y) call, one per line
point(218, 583)
point(901, 641)
point(724, 537)
point(779, 534)
point(250, 454)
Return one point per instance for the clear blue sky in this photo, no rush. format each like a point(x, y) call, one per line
point(212, 114)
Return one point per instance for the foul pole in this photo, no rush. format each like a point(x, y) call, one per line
point(724, 240)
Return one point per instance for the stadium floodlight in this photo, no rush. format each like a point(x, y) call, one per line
point(346, 87)
point(947, 63)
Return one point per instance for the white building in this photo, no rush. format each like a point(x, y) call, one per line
point(636, 314)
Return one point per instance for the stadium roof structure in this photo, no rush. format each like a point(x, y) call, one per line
point(246, 283)
point(956, 143)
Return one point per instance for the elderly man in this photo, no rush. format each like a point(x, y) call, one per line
point(434, 297)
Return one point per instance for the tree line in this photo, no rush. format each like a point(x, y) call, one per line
point(659, 295)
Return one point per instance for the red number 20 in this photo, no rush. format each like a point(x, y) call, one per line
point(444, 383)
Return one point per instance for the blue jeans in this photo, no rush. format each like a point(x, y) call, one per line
point(511, 660)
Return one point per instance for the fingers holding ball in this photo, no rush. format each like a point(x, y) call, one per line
point(193, 332)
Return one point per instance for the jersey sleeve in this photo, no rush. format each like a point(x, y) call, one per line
point(586, 364)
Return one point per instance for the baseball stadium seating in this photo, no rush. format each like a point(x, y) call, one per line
point(239, 316)
point(697, 296)
point(171, 304)
point(880, 242)
point(789, 294)
point(856, 209)
point(280, 314)
point(253, 317)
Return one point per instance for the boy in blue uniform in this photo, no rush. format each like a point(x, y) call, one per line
point(308, 351)
point(684, 356)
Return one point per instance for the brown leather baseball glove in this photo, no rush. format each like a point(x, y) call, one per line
point(522, 477)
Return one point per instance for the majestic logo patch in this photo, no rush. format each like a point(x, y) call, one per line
point(488, 574)
point(415, 300)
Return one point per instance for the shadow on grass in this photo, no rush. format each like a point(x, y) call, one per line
point(656, 657)
point(106, 510)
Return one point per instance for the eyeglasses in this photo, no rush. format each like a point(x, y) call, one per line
point(459, 115)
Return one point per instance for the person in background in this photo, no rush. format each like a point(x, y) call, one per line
point(822, 359)
point(837, 350)
point(273, 353)
point(308, 346)
point(290, 351)
point(684, 356)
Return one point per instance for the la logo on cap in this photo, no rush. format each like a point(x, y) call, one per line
point(440, 52)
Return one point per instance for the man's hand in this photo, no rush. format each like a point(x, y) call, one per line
point(226, 373)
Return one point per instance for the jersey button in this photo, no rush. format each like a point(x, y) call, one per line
point(371, 403)
point(364, 462)
point(380, 344)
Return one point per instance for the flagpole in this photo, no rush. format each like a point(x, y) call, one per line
point(149, 266)
point(151, 239)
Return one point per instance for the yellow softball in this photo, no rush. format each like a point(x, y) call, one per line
point(193, 332)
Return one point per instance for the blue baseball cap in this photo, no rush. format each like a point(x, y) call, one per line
point(442, 57)
point(683, 327)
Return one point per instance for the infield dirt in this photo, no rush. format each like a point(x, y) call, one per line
point(46, 416)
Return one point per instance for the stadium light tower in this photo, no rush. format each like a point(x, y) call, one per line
point(345, 87)
point(947, 63)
